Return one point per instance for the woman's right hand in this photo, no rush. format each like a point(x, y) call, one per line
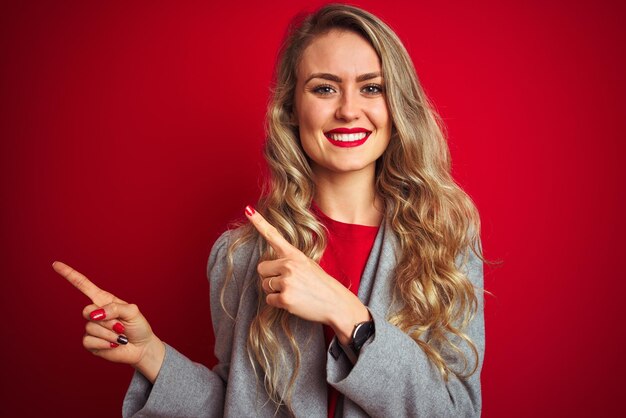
point(110, 318)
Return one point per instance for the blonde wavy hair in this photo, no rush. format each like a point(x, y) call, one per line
point(434, 220)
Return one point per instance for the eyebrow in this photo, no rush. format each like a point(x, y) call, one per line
point(337, 79)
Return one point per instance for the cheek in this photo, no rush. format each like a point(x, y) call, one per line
point(380, 117)
point(312, 119)
point(308, 128)
point(310, 144)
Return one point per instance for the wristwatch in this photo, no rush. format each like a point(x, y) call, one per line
point(362, 332)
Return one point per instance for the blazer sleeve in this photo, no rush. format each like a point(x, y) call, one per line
point(393, 376)
point(184, 388)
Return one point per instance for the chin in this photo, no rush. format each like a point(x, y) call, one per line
point(350, 167)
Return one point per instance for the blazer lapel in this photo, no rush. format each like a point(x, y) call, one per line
point(376, 288)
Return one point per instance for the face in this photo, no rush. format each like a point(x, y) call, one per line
point(340, 105)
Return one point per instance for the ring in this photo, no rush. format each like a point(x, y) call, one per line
point(269, 284)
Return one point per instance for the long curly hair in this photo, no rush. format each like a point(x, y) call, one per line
point(435, 221)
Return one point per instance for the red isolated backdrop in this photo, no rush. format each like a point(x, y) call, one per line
point(131, 136)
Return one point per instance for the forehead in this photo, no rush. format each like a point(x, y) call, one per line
point(338, 52)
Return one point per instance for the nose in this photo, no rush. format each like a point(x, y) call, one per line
point(348, 107)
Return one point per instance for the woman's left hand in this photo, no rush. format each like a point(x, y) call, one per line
point(299, 285)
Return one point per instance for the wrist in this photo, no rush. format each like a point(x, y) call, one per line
point(152, 359)
point(344, 321)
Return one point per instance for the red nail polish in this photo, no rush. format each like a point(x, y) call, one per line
point(113, 345)
point(98, 315)
point(250, 210)
point(119, 328)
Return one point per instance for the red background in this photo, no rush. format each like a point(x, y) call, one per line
point(131, 135)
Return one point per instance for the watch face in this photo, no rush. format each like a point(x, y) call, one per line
point(362, 332)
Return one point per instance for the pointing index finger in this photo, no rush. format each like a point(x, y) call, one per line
point(270, 233)
point(82, 283)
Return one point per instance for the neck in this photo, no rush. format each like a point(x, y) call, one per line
point(349, 197)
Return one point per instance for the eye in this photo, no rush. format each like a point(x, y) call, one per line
point(372, 89)
point(323, 89)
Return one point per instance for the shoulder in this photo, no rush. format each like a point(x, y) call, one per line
point(469, 260)
point(472, 266)
point(231, 269)
point(235, 247)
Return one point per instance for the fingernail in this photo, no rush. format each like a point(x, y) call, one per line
point(98, 314)
point(119, 328)
point(250, 210)
point(113, 345)
point(122, 339)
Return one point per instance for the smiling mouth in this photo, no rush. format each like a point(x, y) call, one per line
point(347, 138)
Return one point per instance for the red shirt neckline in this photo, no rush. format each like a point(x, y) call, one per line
point(343, 229)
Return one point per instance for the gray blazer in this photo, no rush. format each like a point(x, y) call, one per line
point(391, 378)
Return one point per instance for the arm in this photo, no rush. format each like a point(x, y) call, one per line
point(393, 376)
point(184, 388)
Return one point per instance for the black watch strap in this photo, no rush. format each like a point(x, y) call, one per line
point(361, 333)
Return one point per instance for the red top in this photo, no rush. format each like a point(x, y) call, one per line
point(346, 253)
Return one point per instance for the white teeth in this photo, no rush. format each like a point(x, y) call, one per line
point(347, 137)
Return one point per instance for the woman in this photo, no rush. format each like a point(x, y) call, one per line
point(360, 202)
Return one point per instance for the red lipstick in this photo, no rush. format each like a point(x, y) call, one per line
point(347, 137)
